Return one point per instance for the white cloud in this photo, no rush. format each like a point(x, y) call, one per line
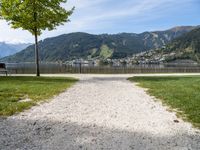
point(97, 16)
point(7, 34)
point(89, 18)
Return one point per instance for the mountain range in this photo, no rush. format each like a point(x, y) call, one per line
point(87, 46)
point(7, 49)
point(186, 47)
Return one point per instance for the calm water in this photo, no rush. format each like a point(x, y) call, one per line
point(64, 68)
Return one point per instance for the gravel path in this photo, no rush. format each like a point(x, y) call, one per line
point(99, 112)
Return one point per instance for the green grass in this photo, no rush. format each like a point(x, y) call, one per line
point(106, 52)
point(181, 94)
point(15, 89)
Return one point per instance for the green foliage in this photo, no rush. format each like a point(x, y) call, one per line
point(180, 93)
point(186, 46)
point(82, 45)
point(34, 15)
point(105, 51)
point(15, 89)
point(103, 63)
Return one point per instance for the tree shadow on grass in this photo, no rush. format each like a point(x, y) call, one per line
point(46, 134)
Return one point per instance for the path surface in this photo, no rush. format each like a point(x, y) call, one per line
point(99, 112)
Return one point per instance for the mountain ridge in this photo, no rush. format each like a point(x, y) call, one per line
point(77, 45)
point(183, 49)
point(7, 49)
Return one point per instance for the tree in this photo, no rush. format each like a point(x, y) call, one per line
point(35, 16)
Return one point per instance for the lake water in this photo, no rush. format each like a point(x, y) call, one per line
point(26, 68)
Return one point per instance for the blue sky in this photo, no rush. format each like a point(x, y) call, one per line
point(115, 16)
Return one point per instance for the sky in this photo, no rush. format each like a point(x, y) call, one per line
point(115, 16)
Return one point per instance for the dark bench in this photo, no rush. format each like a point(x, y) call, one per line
point(3, 68)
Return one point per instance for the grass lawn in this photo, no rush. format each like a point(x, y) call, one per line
point(179, 93)
point(19, 93)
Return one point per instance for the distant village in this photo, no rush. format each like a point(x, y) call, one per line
point(149, 57)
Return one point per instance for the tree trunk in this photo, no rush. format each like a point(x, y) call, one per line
point(36, 41)
point(37, 55)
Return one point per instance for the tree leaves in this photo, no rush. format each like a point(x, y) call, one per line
point(34, 14)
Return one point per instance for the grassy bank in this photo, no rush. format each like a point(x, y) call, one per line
point(19, 93)
point(180, 93)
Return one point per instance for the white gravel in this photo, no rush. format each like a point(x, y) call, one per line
point(99, 112)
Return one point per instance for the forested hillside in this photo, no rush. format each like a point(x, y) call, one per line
point(83, 45)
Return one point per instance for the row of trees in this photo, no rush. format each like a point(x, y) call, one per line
point(34, 16)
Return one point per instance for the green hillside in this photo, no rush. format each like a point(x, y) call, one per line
point(83, 45)
point(185, 47)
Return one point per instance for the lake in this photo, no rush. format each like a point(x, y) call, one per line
point(29, 68)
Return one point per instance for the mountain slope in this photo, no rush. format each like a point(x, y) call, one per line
point(158, 38)
point(185, 47)
point(82, 45)
point(7, 49)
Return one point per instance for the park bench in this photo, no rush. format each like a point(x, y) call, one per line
point(3, 68)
